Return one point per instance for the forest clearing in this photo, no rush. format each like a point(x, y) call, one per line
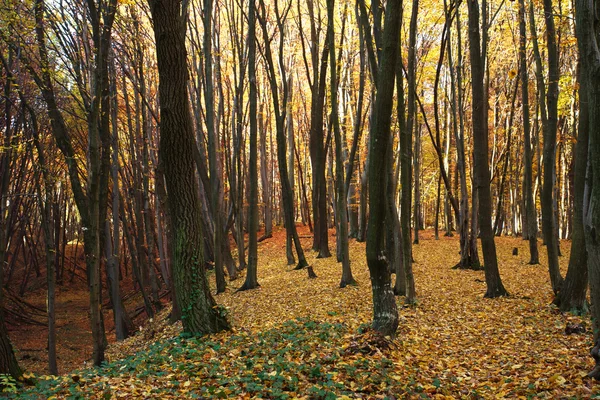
point(302, 338)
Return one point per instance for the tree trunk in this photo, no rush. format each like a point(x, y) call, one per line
point(587, 37)
point(417, 172)
point(572, 296)
point(480, 157)
point(251, 274)
point(200, 313)
point(211, 132)
point(286, 193)
point(530, 210)
point(550, 128)
point(8, 361)
point(385, 312)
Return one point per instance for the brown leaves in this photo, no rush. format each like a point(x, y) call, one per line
point(453, 344)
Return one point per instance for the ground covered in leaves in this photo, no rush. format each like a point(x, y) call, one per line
point(300, 338)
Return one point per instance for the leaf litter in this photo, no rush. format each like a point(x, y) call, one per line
point(300, 338)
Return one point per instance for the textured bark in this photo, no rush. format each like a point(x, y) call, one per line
point(587, 37)
point(199, 312)
point(480, 158)
point(385, 312)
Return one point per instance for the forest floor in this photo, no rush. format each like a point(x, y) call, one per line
point(296, 337)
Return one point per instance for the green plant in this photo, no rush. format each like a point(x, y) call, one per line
point(8, 384)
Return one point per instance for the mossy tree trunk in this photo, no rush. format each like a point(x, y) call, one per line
point(199, 313)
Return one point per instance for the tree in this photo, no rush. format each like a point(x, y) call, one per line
point(8, 361)
point(215, 182)
point(341, 205)
point(385, 312)
point(318, 84)
point(406, 156)
point(200, 314)
point(531, 215)
point(550, 127)
point(251, 275)
point(480, 158)
point(587, 38)
point(572, 296)
point(286, 190)
point(91, 203)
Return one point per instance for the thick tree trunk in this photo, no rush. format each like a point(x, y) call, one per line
point(200, 314)
point(385, 312)
point(480, 157)
point(587, 36)
point(317, 136)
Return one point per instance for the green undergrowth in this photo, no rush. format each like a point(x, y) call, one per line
point(298, 358)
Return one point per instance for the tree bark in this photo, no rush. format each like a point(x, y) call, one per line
point(587, 37)
point(200, 313)
point(385, 312)
point(480, 157)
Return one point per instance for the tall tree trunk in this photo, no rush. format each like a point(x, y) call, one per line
point(341, 205)
point(286, 194)
point(480, 157)
point(265, 177)
point(550, 128)
point(587, 37)
point(417, 172)
point(215, 181)
point(530, 211)
point(572, 296)
point(385, 312)
point(459, 137)
point(406, 139)
point(8, 361)
point(251, 274)
point(317, 136)
point(200, 314)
